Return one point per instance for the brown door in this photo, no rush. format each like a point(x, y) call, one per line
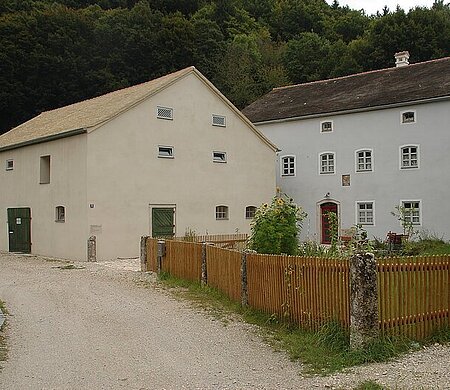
point(326, 208)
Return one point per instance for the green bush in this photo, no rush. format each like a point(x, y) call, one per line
point(276, 226)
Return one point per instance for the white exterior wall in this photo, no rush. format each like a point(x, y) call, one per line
point(387, 185)
point(20, 188)
point(125, 175)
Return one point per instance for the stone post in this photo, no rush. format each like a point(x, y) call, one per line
point(161, 252)
point(144, 260)
point(204, 267)
point(363, 300)
point(244, 290)
point(92, 248)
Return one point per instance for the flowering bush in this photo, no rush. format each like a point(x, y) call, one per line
point(276, 226)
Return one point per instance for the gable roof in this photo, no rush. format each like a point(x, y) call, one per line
point(90, 114)
point(369, 90)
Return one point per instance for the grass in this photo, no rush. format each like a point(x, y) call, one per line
point(369, 385)
point(3, 349)
point(323, 353)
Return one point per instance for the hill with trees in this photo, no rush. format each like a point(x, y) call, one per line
point(53, 53)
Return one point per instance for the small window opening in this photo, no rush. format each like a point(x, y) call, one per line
point(250, 212)
point(60, 214)
point(221, 212)
point(219, 120)
point(9, 165)
point(408, 117)
point(219, 157)
point(165, 151)
point(164, 113)
point(326, 127)
point(45, 170)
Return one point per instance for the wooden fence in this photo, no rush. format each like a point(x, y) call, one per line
point(229, 241)
point(413, 293)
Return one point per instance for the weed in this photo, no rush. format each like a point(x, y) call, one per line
point(369, 385)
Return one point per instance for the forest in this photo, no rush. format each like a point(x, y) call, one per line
point(57, 52)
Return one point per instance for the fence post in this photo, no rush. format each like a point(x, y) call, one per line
point(144, 260)
point(244, 287)
point(161, 252)
point(363, 299)
point(92, 248)
point(204, 280)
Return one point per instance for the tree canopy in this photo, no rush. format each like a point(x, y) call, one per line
point(57, 52)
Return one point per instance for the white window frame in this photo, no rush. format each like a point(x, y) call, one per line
point(60, 217)
point(247, 209)
point(218, 124)
point(357, 170)
point(328, 131)
point(217, 159)
point(334, 163)
point(401, 156)
point(158, 108)
point(402, 204)
point(357, 211)
point(289, 173)
point(222, 214)
point(402, 119)
point(170, 155)
point(7, 167)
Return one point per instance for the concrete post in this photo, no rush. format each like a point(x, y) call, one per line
point(244, 290)
point(92, 248)
point(161, 252)
point(204, 280)
point(144, 260)
point(363, 300)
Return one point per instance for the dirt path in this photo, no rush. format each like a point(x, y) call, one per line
point(98, 328)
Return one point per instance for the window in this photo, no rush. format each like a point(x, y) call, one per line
point(409, 157)
point(221, 212)
point(411, 211)
point(219, 120)
point(326, 127)
point(326, 163)
point(164, 113)
point(9, 165)
point(220, 157)
point(60, 214)
point(45, 170)
point(250, 212)
point(364, 161)
point(288, 166)
point(165, 151)
point(365, 213)
point(409, 117)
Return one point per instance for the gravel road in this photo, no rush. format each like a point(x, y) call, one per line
point(106, 326)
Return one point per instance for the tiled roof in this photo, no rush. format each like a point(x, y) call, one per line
point(86, 114)
point(425, 80)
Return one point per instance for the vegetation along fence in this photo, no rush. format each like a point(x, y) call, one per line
point(413, 292)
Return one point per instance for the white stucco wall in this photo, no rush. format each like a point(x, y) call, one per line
point(125, 175)
point(21, 188)
point(387, 185)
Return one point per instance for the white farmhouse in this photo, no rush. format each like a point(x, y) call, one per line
point(363, 144)
point(159, 158)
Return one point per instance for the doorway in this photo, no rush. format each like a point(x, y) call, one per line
point(163, 221)
point(325, 209)
point(19, 229)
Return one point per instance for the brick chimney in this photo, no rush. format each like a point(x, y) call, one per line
point(401, 59)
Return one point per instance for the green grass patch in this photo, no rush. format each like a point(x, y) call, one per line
point(369, 385)
point(323, 353)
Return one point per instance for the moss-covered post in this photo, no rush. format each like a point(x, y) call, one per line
point(363, 299)
point(144, 260)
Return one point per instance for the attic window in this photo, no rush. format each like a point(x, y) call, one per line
point(326, 127)
point(164, 113)
point(219, 120)
point(45, 170)
point(165, 151)
point(409, 117)
point(9, 165)
point(220, 157)
point(60, 214)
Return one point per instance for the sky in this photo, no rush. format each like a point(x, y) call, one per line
point(372, 6)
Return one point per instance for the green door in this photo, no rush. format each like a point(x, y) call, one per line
point(163, 222)
point(19, 230)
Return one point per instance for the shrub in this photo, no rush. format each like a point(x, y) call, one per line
point(276, 226)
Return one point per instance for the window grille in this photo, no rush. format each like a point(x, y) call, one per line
point(164, 113)
point(219, 120)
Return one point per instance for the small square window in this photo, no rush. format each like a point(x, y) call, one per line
point(220, 157)
point(219, 120)
point(326, 127)
point(9, 165)
point(165, 151)
point(408, 117)
point(221, 212)
point(60, 214)
point(164, 113)
point(250, 212)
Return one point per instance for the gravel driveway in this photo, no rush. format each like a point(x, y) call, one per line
point(100, 328)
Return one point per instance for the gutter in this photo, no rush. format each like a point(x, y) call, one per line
point(47, 138)
point(355, 110)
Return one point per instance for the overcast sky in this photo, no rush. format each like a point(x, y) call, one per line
point(372, 6)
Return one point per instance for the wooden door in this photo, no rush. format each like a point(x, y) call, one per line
point(163, 222)
point(19, 230)
point(326, 208)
